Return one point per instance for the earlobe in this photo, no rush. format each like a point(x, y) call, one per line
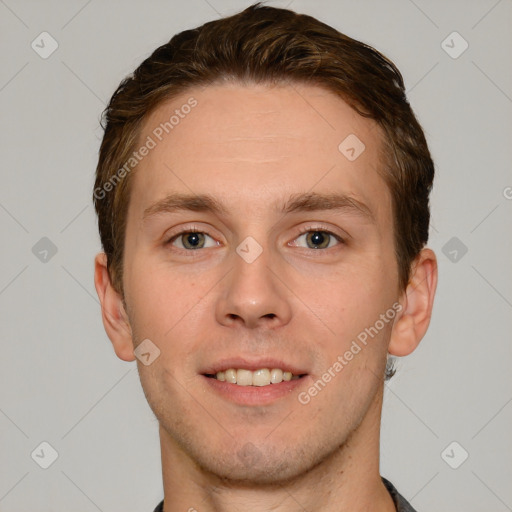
point(417, 302)
point(115, 319)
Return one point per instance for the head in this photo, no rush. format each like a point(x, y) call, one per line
point(243, 120)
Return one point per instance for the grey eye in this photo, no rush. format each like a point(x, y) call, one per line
point(318, 239)
point(192, 240)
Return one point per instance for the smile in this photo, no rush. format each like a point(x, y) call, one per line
point(260, 377)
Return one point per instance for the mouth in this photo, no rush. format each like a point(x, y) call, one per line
point(254, 382)
point(258, 378)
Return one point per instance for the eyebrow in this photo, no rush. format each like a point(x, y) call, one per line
point(310, 201)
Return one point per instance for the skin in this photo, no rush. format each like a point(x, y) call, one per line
point(252, 147)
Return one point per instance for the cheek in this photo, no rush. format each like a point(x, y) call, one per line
point(172, 311)
point(353, 288)
point(350, 308)
point(159, 298)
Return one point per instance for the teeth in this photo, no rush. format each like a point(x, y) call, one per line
point(230, 376)
point(244, 377)
point(262, 377)
point(276, 376)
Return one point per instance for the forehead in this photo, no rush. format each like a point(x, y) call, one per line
point(249, 145)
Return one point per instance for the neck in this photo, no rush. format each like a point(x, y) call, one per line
point(347, 480)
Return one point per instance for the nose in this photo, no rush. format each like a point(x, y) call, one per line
point(253, 295)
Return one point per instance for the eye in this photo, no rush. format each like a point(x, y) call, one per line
point(192, 240)
point(319, 239)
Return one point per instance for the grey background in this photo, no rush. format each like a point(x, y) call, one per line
point(60, 379)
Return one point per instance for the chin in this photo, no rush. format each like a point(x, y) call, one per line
point(265, 472)
point(262, 465)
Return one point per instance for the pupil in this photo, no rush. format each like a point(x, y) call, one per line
point(318, 238)
point(193, 239)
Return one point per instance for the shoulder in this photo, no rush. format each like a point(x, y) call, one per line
point(160, 507)
point(402, 505)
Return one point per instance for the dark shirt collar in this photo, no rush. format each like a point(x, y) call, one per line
point(400, 502)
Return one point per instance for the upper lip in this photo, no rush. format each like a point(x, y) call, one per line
point(252, 365)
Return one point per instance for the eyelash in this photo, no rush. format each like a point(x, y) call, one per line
point(307, 229)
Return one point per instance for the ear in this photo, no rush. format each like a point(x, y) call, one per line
point(417, 301)
point(115, 319)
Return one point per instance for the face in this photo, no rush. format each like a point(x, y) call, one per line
point(254, 243)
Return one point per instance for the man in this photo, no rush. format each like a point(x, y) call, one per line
point(262, 194)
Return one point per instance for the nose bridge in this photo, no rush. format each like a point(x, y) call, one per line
point(253, 294)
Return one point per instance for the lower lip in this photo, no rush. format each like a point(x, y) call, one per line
point(254, 395)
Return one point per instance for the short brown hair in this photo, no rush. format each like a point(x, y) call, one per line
point(271, 46)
